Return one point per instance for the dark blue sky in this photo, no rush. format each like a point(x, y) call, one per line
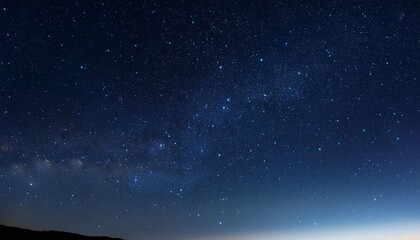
point(146, 119)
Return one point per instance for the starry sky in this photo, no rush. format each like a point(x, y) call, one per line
point(194, 119)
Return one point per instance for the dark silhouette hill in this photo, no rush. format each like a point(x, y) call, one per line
point(14, 233)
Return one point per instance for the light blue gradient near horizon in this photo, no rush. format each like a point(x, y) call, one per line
point(400, 230)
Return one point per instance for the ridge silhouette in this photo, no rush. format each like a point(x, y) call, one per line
point(15, 233)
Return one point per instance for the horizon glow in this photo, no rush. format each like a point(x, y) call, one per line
point(387, 231)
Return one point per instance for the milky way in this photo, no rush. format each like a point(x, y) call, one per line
point(148, 119)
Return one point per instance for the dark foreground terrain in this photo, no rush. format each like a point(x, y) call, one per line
point(7, 233)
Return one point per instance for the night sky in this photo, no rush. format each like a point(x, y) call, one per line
point(156, 120)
